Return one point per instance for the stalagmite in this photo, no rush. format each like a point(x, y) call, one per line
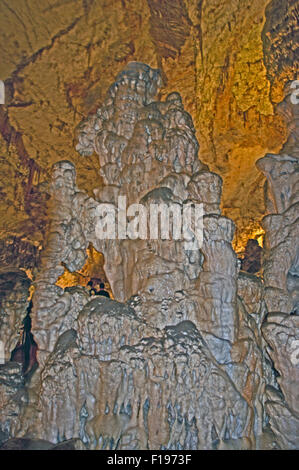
point(177, 360)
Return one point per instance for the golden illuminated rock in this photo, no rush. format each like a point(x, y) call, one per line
point(58, 59)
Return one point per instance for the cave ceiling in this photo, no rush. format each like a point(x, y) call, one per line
point(229, 59)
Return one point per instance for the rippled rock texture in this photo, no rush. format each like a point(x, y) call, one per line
point(228, 60)
point(191, 353)
point(281, 275)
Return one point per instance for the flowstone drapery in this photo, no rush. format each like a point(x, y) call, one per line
point(281, 275)
point(178, 359)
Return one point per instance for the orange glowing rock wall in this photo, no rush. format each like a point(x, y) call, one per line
point(228, 60)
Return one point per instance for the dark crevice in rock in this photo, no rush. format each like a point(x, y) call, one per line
point(170, 26)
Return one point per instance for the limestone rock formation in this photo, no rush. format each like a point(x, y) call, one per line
point(228, 60)
point(281, 274)
point(182, 358)
point(13, 398)
point(14, 291)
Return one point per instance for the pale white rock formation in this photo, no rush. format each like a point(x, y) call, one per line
point(281, 277)
point(13, 397)
point(281, 267)
point(178, 359)
point(14, 291)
